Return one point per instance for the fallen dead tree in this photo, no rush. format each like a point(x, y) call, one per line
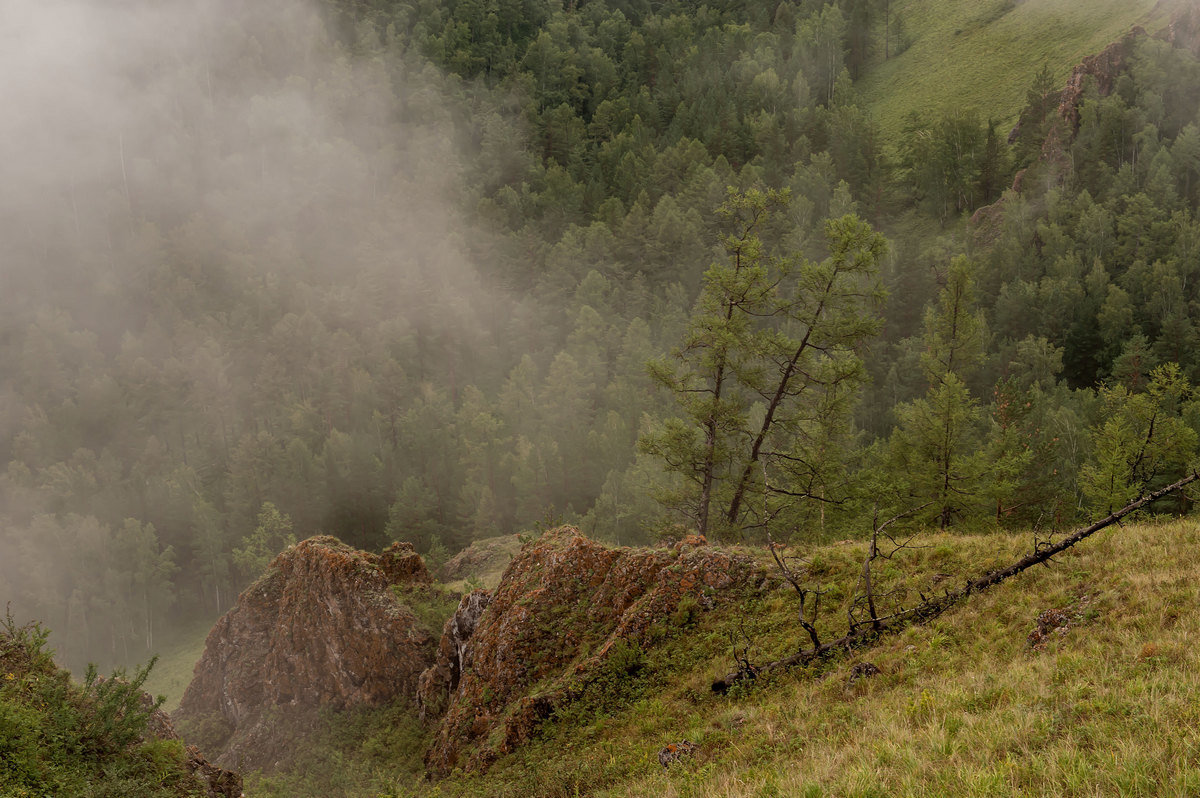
point(865, 632)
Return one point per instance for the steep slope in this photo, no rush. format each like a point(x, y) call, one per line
point(985, 55)
point(567, 613)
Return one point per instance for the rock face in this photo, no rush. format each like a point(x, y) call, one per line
point(564, 604)
point(1103, 68)
point(440, 681)
point(321, 628)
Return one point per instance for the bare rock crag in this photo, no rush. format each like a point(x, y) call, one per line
point(564, 604)
point(1101, 71)
point(321, 628)
point(440, 681)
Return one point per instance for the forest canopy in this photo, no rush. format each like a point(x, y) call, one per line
point(395, 271)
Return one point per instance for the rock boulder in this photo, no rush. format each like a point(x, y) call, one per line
point(321, 628)
point(564, 604)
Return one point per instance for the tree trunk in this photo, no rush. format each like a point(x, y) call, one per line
point(932, 608)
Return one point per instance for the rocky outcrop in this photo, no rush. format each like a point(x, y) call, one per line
point(564, 606)
point(321, 628)
point(401, 565)
point(1103, 69)
point(440, 681)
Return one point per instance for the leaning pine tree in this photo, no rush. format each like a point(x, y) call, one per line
point(768, 371)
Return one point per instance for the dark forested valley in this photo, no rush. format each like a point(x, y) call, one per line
point(441, 270)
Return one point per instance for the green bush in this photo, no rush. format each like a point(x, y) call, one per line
point(114, 715)
point(20, 766)
point(66, 739)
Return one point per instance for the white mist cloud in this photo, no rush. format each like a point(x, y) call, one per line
point(163, 160)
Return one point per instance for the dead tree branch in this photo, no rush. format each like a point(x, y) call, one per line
point(933, 607)
point(802, 590)
point(865, 589)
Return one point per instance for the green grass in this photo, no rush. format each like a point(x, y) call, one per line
point(176, 660)
point(431, 604)
point(964, 705)
point(985, 54)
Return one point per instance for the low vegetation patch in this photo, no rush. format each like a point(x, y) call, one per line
point(61, 738)
point(431, 604)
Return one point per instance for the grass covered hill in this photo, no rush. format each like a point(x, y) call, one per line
point(985, 55)
point(1077, 680)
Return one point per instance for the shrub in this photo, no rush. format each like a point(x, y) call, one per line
point(60, 738)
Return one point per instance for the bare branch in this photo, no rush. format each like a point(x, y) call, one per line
point(933, 607)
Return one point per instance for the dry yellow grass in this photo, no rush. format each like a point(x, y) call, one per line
point(965, 706)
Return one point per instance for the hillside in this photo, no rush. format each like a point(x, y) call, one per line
point(986, 55)
point(473, 229)
point(678, 275)
point(1078, 680)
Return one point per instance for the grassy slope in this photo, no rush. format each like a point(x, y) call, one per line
point(977, 54)
point(484, 563)
point(964, 706)
point(176, 660)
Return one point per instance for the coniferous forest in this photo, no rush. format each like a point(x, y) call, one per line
point(441, 270)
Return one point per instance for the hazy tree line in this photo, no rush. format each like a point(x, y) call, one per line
point(394, 270)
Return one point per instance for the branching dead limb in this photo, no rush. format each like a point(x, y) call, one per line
point(931, 608)
point(864, 591)
point(802, 590)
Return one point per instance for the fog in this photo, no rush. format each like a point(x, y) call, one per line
point(119, 113)
point(205, 208)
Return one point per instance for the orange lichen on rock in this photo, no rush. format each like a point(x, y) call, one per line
point(321, 628)
point(402, 565)
point(562, 605)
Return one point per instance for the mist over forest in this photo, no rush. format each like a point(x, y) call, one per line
point(233, 259)
point(395, 271)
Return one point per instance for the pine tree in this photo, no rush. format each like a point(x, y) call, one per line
point(768, 371)
point(936, 443)
point(702, 375)
point(1143, 442)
